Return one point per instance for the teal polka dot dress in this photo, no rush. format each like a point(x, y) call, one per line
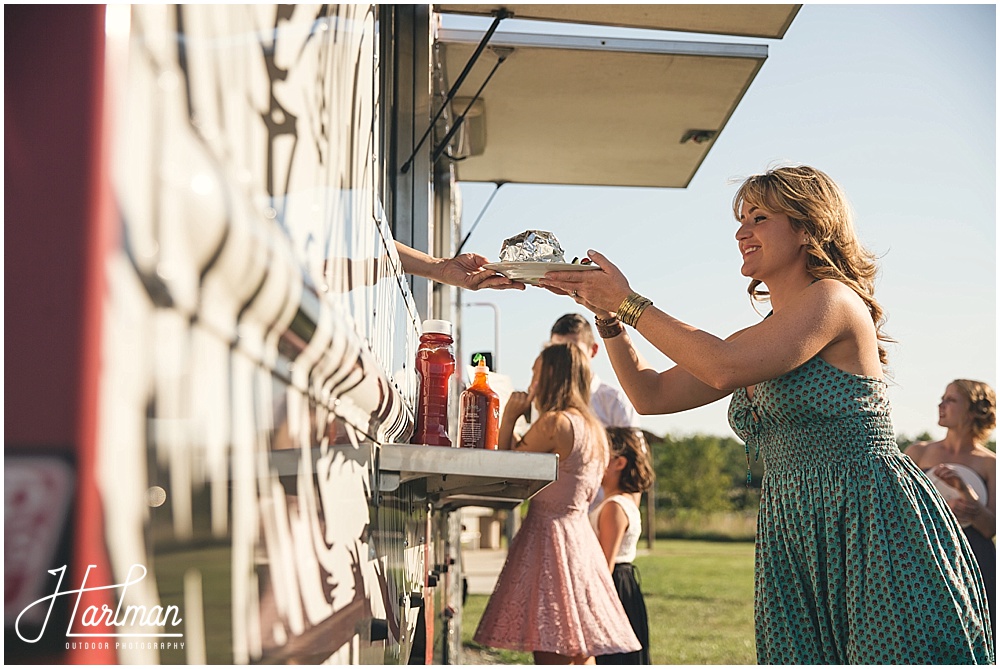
point(858, 559)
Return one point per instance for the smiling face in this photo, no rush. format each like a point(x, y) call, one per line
point(768, 242)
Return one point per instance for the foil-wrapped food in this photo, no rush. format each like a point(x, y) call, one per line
point(532, 246)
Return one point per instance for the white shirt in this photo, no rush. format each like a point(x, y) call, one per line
point(613, 410)
point(630, 540)
point(611, 405)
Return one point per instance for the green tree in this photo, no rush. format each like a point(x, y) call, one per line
point(903, 441)
point(701, 472)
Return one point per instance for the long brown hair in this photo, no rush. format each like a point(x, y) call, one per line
point(564, 383)
point(629, 443)
point(815, 204)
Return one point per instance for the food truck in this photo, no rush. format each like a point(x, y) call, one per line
point(210, 340)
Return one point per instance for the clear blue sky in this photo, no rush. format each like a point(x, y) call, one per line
point(895, 102)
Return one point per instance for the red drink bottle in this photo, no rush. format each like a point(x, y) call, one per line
point(479, 413)
point(435, 365)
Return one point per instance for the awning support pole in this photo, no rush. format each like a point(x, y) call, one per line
point(501, 14)
point(480, 217)
point(439, 149)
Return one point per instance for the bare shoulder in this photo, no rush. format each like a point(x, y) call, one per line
point(834, 309)
point(833, 293)
point(984, 452)
point(918, 450)
point(831, 307)
point(988, 460)
point(557, 425)
point(553, 422)
point(613, 511)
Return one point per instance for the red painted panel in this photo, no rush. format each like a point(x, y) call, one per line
point(59, 224)
point(49, 115)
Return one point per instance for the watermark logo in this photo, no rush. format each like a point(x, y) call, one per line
point(129, 621)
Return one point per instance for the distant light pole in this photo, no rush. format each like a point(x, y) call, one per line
point(496, 329)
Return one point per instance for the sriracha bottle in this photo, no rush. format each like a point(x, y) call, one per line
point(435, 365)
point(479, 412)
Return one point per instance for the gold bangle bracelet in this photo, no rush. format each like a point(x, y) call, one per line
point(632, 307)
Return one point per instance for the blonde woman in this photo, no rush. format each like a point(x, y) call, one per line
point(554, 596)
point(858, 559)
point(967, 470)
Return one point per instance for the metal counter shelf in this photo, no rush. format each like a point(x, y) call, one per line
point(457, 477)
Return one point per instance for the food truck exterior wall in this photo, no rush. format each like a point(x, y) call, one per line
point(243, 343)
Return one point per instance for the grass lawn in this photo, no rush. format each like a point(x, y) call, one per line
point(700, 600)
point(699, 595)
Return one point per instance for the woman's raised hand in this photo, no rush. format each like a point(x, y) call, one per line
point(601, 291)
point(517, 404)
point(947, 473)
point(965, 510)
point(467, 271)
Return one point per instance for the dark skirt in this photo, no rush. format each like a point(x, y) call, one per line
point(986, 555)
point(626, 579)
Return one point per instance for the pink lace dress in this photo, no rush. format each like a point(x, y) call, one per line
point(555, 592)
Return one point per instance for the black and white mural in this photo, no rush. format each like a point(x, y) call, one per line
point(257, 337)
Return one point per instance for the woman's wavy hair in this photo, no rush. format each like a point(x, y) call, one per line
point(815, 204)
point(629, 443)
point(564, 383)
point(982, 407)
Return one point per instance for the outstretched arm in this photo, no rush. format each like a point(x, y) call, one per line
point(822, 314)
point(652, 392)
point(464, 270)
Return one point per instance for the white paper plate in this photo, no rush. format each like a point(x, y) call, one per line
point(970, 477)
point(531, 272)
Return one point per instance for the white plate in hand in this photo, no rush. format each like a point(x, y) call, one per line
point(969, 476)
point(531, 272)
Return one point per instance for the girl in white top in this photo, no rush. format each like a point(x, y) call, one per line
point(618, 525)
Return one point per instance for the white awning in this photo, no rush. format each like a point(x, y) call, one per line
point(769, 21)
point(594, 111)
